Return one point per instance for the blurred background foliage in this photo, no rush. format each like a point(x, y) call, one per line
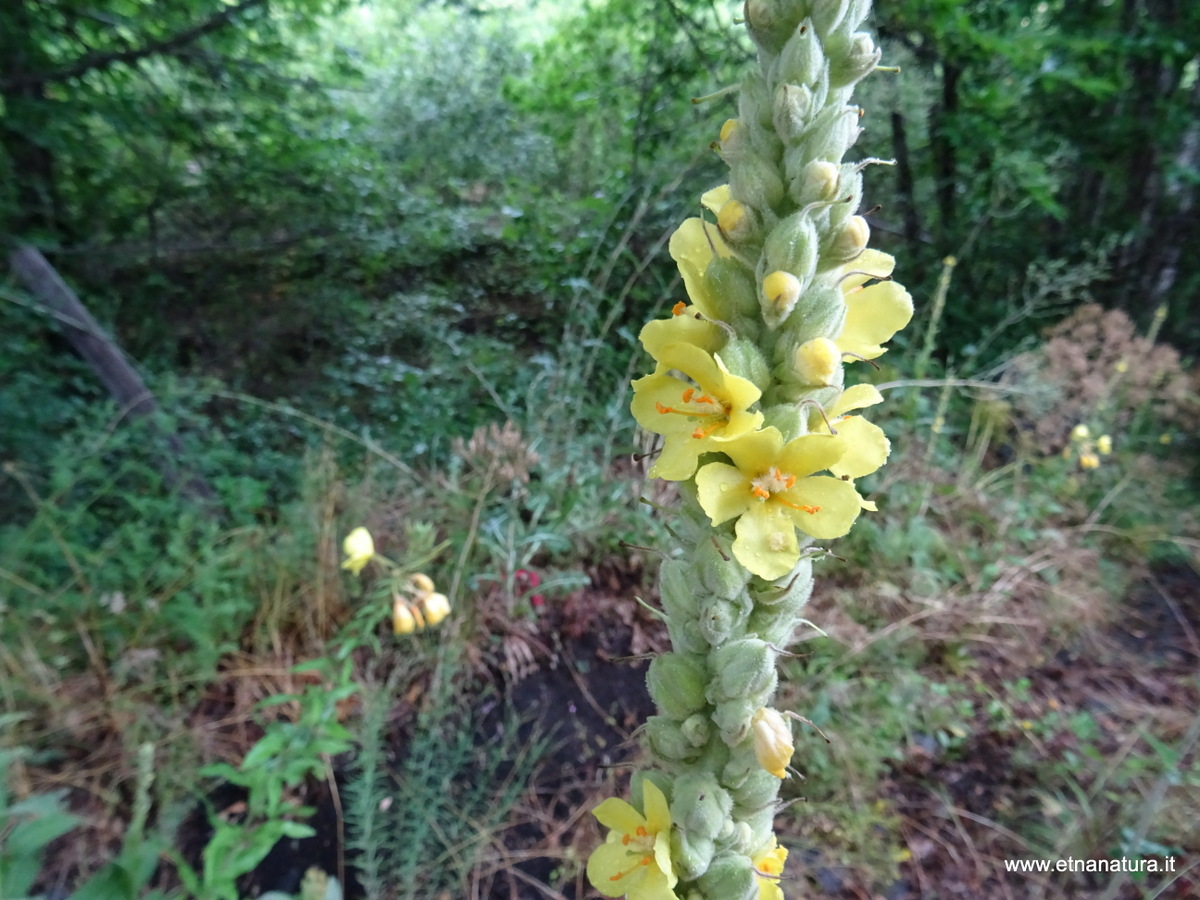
point(344, 241)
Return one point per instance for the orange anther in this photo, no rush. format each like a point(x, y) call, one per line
point(688, 395)
point(760, 492)
point(678, 308)
point(811, 510)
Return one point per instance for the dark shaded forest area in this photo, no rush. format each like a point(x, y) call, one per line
point(278, 269)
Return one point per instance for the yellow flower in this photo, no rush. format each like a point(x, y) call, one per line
point(874, 313)
point(1104, 444)
point(768, 866)
point(771, 490)
point(695, 244)
point(773, 747)
point(867, 447)
point(359, 549)
point(693, 418)
point(635, 861)
point(436, 607)
point(1080, 433)
point(1089, 461)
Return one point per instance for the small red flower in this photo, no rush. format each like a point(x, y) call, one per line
point(526, 581)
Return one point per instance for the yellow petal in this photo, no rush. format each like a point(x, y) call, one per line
point(654, 802)
point(766, 541)
point(723, 490)
point(684, 328)
point(859, 396)
point(716, 198)
point(619, 816)
point(836, 503)
point(693, 246)
point(811, 453)
point(867, 266)
point(608, 868)
point(873, 316)
point(867, 447)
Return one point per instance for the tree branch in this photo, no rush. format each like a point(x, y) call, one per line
point(94, 62)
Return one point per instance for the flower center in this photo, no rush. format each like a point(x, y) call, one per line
point(772, 482)
point(641, 849)
point(711, 412)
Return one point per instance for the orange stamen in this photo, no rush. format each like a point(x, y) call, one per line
point(678, 308)
point(760, 492)
point(688, 395)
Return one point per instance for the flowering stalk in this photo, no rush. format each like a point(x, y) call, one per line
point(765, 442)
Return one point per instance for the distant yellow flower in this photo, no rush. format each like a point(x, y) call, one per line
point(1104, 444)
point(768, 866)
point(695, 416)
point(359, 549)
point(404, 617)
point(771, 490)
point(1080, 433)
point(436, 607)
point(1164, 438)
point(635, 860)
point(1089, 461)
point(874, 313)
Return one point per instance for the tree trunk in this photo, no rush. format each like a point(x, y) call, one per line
point(108, 362)
point(904, 186)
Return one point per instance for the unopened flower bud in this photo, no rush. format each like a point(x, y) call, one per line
point(850, 241)
point(773, 746)
point(853, 63)
point(700, 805)
point(817, 361)
point(817, 183)
point(667, 740)
point(743, 358)
point(827, 15)
point(802, 60)
point(732, 289)
point(727, 130)
point(771, 23)
point(696, 729)
point(436, 607)
point(730, 875)
point(1104, 444)
point(720, 572)
point(676, 683)
point(757, 181)
point(421, 583)
point(736, 223)
point(741, 668)
point(781, 290)
point(1089, 461)
point(1080, 433)
point(403, 620)
point(793, 107)
point(792, 247)
point(829, 136)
